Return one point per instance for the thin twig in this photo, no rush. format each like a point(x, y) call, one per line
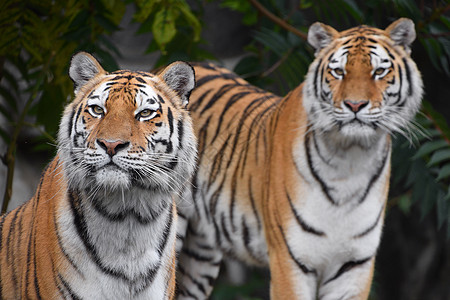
point(277, 20)
point(277, 64)
point(10, 157)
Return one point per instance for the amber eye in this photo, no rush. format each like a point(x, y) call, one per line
point(145, 114)
point(96, 110)
point(339, 71)
point(379, 71)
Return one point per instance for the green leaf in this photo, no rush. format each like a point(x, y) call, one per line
point(437, 117)
point(145, 8)
point(439, 156)
point(444, 172)
point(404, 204)
point(191, 19)
point(430, 147)
point(163, 27)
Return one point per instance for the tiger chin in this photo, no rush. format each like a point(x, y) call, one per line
point(102, 224)
point(299, 184)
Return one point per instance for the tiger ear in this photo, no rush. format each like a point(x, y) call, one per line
point(83, 67)
point(180, 77)
point(402, 32)
point(321, 35)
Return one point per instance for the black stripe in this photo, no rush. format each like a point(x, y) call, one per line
point(214, 199)
point(324, 187)
point(83, 234)
point(233, 99)
point(120, 216)
point(218, 95)
point(389, 53)
point(208, 78)
point(400, 92)
point(246, 236)
point(347, 267)
point(319, 153)
point(302, 267)
point(170, 119)
point(68, 288)
point(252, 202)
point(161, 99)
point(377, 173)
point(66, 255)
point(199, 286)
point(187, 293)
point(232, 205)
point(224, 228)
point(316, 73)
point(72, 114)
point(371, 227)
point(81, 227)
point(216, 165)
point(193, 106)
point(166, 232)
point(36, 282)
point(197, 257)
point(141, 80)
point(180, 129)
point(408, 76)
point(300, 220)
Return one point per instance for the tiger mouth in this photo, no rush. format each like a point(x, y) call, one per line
point(356, 121)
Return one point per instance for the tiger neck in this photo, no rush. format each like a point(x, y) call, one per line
point(117, 222)
point(344, 169)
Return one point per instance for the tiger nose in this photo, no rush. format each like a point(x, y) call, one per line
point(112, 147)
point(356, 106)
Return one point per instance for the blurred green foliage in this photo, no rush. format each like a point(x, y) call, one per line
point(37, 39)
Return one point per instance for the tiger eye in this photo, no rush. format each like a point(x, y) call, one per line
point(339, 71)
point(145, 113)
point(97, 110)
point(379, 71)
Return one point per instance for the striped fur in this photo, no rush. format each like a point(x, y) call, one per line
point(299, 183)
point(102, 224)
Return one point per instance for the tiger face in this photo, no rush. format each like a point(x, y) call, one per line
point(363, 80)
point(126, 129)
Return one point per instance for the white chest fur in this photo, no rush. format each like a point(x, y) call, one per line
point(122, 258)
point(340, 205)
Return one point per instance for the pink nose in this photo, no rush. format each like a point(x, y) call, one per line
point(356, 106)
point(112, 147)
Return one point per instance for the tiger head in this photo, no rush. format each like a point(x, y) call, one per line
point(127, 129)
point(363, 80)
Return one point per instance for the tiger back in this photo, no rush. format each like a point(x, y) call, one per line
point(102, 223)
point(299, 184)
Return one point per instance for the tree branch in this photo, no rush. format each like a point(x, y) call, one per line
point(277, 20)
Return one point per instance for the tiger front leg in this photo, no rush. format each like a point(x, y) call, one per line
point(352, 281)
point(198, 264)
point(289, 278)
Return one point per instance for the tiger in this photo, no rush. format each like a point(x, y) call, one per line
point(298, 184)
point(102, 223)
